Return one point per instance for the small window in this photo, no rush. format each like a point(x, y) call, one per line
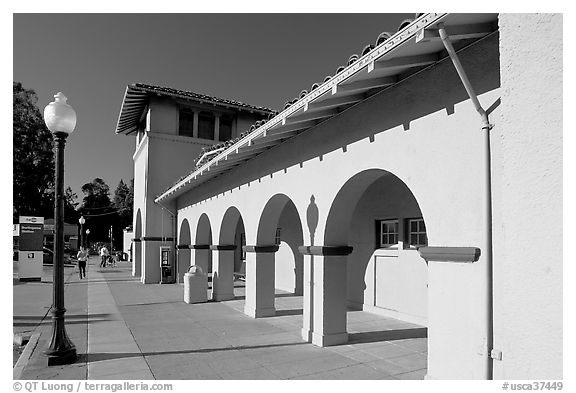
point(206, 121)
point(225, 132)
point(186, 122)
point(417, 233)
point(388, 233)
point(278, 236)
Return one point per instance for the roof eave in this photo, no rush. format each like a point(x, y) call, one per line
point(336, 91)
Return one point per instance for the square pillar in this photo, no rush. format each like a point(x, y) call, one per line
point(223, 272)
point(327, 298)
point(260, 269)
point(458, 321)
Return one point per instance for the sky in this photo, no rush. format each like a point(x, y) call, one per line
point(258, 59)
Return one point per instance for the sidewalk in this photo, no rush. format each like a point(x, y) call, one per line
point(124, 330)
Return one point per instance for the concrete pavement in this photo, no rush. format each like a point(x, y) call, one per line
point(124, 330)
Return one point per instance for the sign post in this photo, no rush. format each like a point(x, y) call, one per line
point(30, 243)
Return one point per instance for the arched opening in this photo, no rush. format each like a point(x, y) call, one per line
point(228, 257)
point(137, 246)
point(202, 254)
point(184, 252)
point(275, 267)
point(377, 214)
point(280, 224)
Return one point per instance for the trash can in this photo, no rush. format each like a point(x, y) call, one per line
point(195, 285)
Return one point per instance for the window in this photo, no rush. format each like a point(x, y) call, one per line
point(206, 121)
point(388, 233)
point(417, 232)
point(186, 122)
point(225, 132)
point(277, 237)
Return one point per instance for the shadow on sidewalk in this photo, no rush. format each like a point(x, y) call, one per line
point(387, 335)
point(97, 357)
point(282, 313)
point(28, 320)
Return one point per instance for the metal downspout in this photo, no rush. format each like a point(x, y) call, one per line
point(486, 127)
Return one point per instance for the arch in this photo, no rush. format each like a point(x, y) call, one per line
point(184, 253)
point(203, 257)
point(377, 214)
point(137, 246)
point(232, 232)
point(280, 224)
point(228, 262)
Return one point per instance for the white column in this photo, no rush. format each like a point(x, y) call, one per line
point(260, 296)
point(324, 314)
point(329, 300)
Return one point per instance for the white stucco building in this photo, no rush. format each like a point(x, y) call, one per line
point(388, 187)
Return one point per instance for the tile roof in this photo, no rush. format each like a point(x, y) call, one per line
point(266, 134)
point(137, 96)
point(197, 96)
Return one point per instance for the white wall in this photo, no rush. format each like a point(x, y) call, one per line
point(426, 132)
point(527, 194)
point(391, 282)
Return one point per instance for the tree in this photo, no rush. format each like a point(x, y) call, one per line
point(124, 202)
point(98, 210)
point(33, 157)
point(71, 215)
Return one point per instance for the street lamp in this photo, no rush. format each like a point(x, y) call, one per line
point(82, 221)
point(60, 118)
point(87, 233)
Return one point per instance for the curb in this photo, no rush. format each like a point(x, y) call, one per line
point(25, 356)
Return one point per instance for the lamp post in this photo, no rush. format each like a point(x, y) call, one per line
point(82, 221)
point(87, 233)
point(60, 119)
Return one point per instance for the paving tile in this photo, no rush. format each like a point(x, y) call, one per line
point(251, 374)
point(386, 351)
point(360, 356)
point(411, 362)
point(354, 372)
point(413, 375)
point(308, 366)
point(414, 344)
point(141, 331)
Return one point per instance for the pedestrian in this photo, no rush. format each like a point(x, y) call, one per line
point(104, 256)
point(82, 259)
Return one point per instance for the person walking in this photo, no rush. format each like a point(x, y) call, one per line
point(104, 256)
point(82, 259)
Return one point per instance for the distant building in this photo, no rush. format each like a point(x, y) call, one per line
point(376, 189)
point(70, 231)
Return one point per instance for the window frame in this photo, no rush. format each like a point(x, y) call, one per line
point(191, 112)
point(380, 232)
point(417, 233)
point(226, 118)
point(201, 114)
